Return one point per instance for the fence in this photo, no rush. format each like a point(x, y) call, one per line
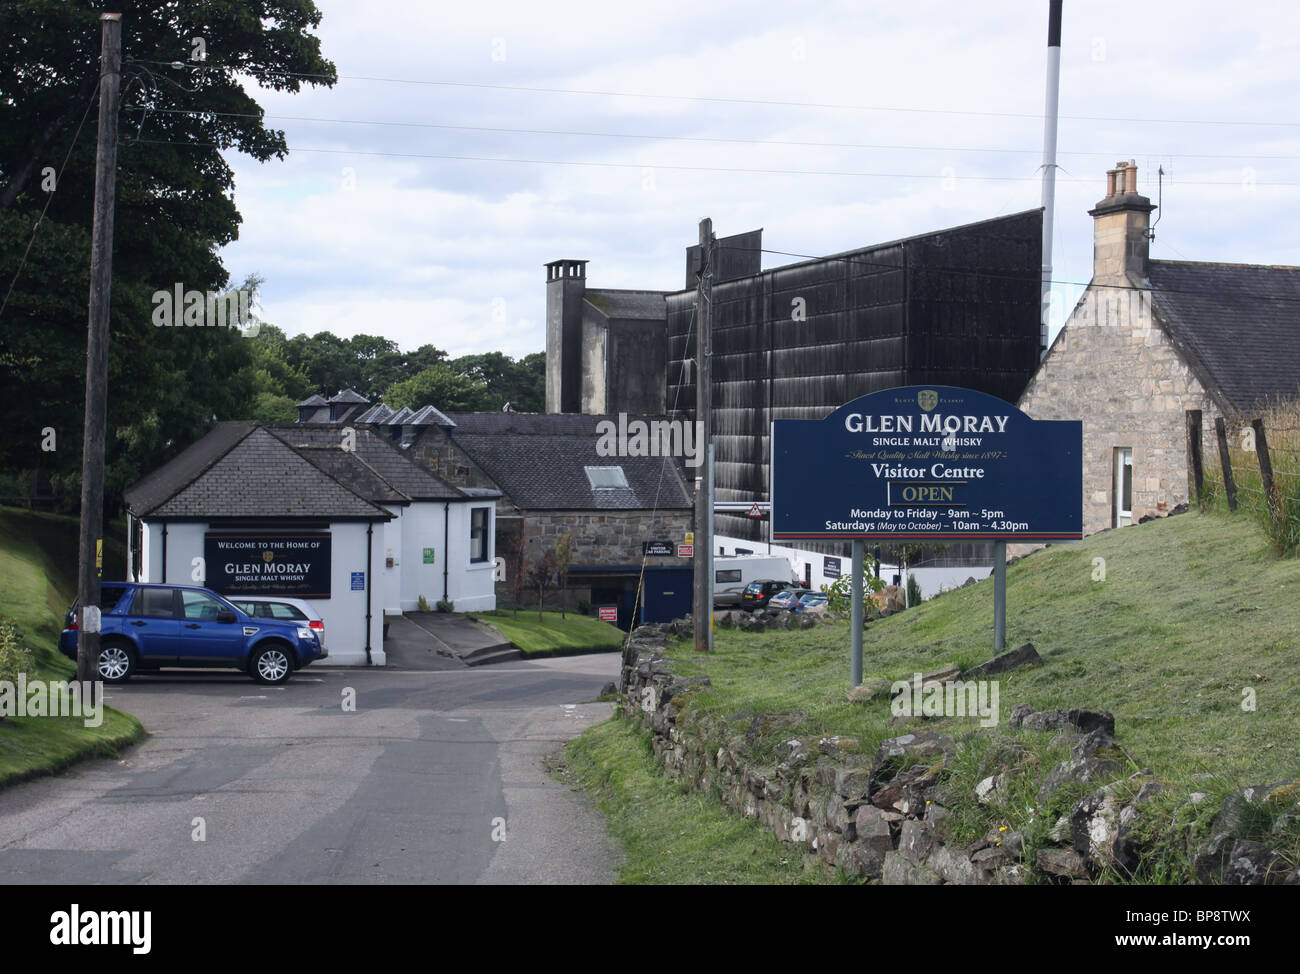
point(1257, 470)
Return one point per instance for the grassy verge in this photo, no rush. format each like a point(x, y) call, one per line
point(553, 635)
point(1186, 629)
point(670, 836)
point(38, 561)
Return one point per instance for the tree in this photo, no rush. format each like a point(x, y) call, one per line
point(515, 545)
point(439, 385)
point(542, 577)
point(563, 561)
point(175, 210)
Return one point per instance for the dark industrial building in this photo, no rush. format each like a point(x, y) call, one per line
point(955, 307)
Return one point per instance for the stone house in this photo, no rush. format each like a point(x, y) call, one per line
point(554, 479)
point(1150, 339)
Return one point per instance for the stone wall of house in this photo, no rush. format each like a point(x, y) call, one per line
point(437, 453)
point(1113, 367)
point(612, 537)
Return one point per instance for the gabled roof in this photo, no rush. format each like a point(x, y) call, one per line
point(539, 460)
point(350, 396)
point(256, 475)
point(377, 453)
point(430, 416)
point(314, 400)
point(184, 468)
point(1241, 322)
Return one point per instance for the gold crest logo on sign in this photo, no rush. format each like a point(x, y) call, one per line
point(927, 399)
point(268, 555)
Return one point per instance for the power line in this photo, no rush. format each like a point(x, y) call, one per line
point(719, 99)
point(685, 138)
point(673, 167)
point(49, 198)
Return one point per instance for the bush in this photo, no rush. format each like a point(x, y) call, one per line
point(913, 591)
point(445, 606)
point(423, 604)
point(14, 657)
point(584, 607)
point(838, 592)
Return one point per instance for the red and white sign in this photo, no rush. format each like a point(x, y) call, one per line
point(609, 613)
point(686, 551)
point(755, 512)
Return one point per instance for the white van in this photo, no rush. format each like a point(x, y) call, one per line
point(733, 573)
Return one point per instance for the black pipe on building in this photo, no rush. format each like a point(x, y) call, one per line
point(370, 571)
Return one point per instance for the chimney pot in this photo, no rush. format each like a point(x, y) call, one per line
point(1110, 183)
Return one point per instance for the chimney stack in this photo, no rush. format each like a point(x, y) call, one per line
point(1121, 222)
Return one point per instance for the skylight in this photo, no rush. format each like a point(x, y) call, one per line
point(606, 478)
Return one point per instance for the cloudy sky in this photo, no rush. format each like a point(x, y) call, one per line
point(467, 144)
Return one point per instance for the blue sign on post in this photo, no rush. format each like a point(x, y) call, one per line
point(358, 581)
point(927, 463)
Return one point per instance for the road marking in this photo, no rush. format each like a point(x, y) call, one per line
point(459, 720)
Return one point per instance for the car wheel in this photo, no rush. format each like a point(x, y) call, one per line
point(116, 663)
point(271, 664)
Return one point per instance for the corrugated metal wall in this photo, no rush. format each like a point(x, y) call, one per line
point(956, 307)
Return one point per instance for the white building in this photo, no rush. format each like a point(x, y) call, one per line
point(336, 516)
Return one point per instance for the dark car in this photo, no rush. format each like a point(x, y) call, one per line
point(759, 593)
point(146, 627)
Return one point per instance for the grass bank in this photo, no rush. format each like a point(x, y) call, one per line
point(38, 565)
point(553, 635)
point(1186, 629)
point(670, 836)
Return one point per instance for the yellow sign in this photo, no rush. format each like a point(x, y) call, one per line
point(99, 557)
point(690, 537)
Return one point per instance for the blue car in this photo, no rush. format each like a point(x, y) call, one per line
point(146, 627)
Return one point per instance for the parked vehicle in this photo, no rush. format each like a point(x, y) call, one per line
point(734, 574)
point(812, 602)
point(279, 607)
point(787, 599)
point(149, 627)
point(758, 595)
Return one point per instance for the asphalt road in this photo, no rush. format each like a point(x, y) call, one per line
point(435, 777)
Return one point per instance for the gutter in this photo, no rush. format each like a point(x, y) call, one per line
point(446, 518)
point(164, 554)
point(370, 566)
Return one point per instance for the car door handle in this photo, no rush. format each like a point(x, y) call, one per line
point(138, 623)
point(191, 625)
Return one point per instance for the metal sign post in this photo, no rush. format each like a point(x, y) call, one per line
point(999, 596)
point(855, 614)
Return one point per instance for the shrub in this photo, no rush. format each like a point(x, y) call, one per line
point(423, 604)
point(14, 657)
point(446, 606)
point(913, 591)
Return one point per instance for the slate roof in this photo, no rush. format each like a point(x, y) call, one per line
point(156, 487)
point(614, 303)
point(378, 454)
point(314, 400)
point(350, 396)
point(538, 460)
point(1241, 323)
point(256, 475)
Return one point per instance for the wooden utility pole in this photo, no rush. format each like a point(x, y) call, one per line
point(101, 279)
point(702, 594)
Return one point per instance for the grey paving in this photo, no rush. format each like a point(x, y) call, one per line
point(437, 777)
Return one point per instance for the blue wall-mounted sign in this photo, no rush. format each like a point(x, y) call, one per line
point(927, 462)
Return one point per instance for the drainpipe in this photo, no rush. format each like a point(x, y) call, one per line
point(164, 554)
point(370, 571)
point(446, 519)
